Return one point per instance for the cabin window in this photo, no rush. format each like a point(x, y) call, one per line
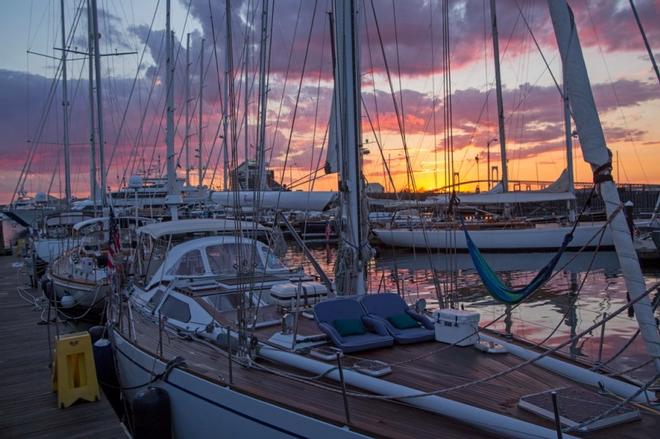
point(155, 300)
point(176, 309)
point(224, 259)
point(190, 264)
point(272, 261)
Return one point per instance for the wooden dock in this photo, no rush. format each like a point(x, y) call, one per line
point(28, 405)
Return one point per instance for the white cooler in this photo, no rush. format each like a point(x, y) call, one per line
point(309, 293)
point(452, 325)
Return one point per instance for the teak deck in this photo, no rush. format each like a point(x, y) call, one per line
point(28, 405)
point(382, 418)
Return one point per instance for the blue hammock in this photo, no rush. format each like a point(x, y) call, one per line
point(494, 284)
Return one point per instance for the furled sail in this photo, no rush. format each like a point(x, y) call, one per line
point(332, 148)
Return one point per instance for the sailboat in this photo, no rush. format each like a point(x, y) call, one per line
point(191, 337)
point(81, 277)
point(502, 232)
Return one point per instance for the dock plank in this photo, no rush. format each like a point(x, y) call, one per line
point(28, 406)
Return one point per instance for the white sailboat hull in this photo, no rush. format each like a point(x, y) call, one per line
point(85, 294)
point(204, 409)
point(280, 200)
point(540, 238)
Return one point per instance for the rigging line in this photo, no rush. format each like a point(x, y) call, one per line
point(314, 170)
point(380, 147)
point(130, 94)
point(398, 66)
point(377, 135)
point(616, 95)
point(615, 408)
point(646, 41)
point(433, 97)
point(295, 108)
point(576, 294)
point(626, 345)
point(215, 137)
point(394, 101)
point(160, 124)
point(502, 57)
point(176, 60)
point(140, 132)
point(410, 173)
point(178, 121)
point(517, 366)
point(538, 47)
point(44, 114)
point(286, 80)
point(220, 97)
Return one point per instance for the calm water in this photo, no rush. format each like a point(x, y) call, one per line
point(555, 306)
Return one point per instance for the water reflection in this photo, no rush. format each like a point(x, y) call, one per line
point(581, 291)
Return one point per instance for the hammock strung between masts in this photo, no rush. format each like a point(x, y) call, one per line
point(498, 289)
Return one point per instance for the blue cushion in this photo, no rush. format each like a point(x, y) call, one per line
point(414, 335)
point(403, 321)
point(329, 311)
point(347, 327)
point(384, 304)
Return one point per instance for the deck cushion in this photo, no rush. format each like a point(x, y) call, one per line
point(375, 334)
point(382, 307)
point(347, 327)
point(403, 321)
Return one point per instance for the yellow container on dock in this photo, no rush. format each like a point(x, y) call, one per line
point(74, 371)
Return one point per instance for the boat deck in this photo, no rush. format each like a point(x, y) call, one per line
point(426, 366)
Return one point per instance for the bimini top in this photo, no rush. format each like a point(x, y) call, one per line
point(105, 220)
point(66, 218)
point(181, 227)
point(216, 255)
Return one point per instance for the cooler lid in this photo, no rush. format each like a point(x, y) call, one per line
point(458, 315)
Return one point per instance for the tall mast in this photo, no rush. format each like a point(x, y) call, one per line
point(245, 93)
point(351, 272)
point(92, 124)
point(225, 127)
point(498, 89)
point(186, 140)
point(173, 197)
point(200, 116)
point(65, 114)
point(225, 130)
point(263, 98)
point(596, 153)
point(569, 149)
point(99, 103)
point(230, 103)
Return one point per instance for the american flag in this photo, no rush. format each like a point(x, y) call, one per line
point(114, 244)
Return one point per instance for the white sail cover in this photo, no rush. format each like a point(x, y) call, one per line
point(279, 200)
point(510, 197)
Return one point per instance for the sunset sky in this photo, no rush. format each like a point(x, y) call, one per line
point(626, 90)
